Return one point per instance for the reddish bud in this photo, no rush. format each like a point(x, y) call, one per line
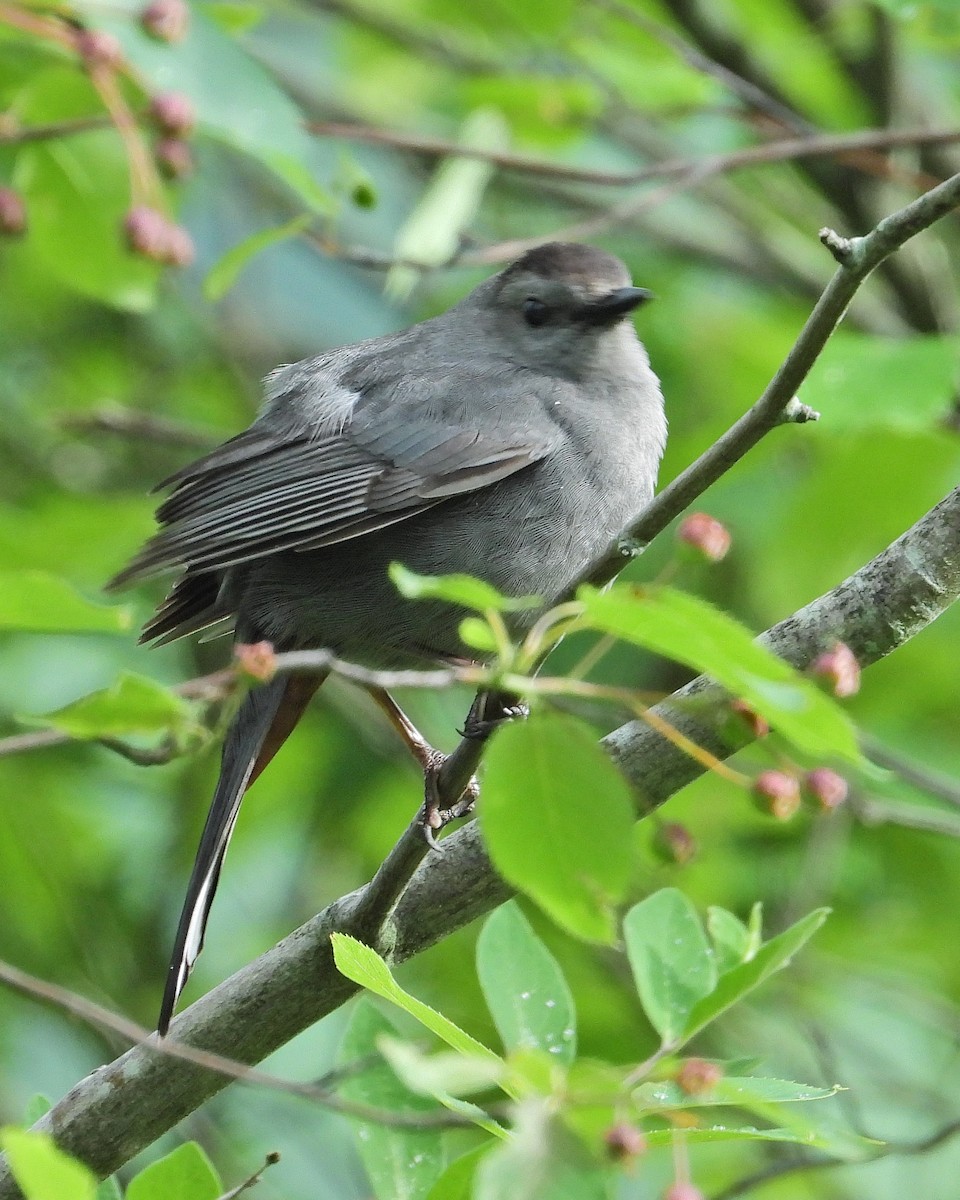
point(757, 725)
point(777, 794)
point(147, 232)
point(673, 843)
point(174, 157)
point(705, 534)
point(173, 112)
point(624, 1142)
point(683, 1191)
point(180, 250)
point(98, 48)
point(257, 660)
point(697, 1075)
point(13, 213)
point(826, 787)
point(166, 20)
point(839, 668)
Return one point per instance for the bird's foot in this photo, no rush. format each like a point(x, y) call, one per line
point(489, 711)
point(434, 817)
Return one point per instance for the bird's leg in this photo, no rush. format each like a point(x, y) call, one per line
point(489, 711)
point(431, 761)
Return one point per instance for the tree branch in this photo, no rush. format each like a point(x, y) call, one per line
point(121, 1108)
point(118, 1110)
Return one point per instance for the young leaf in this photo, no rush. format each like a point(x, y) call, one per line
point(365, 967)
point(672, 963)
point(729, 1091)
point(442, 1076)
point(528, 997)
point(772, 956)
point(456, 589)
point(730, 938)
point(401, 1163)
point(558, 820)
point(223, 274)
point(185, 1172)
point(42, 1170)
point(456, 1183)
point(691, 631)
point(542, 1161)
point(134, 704)
point(35, 602)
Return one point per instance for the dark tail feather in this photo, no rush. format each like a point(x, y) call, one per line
point(265, 720)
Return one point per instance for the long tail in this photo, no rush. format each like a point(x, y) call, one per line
point(265, 720)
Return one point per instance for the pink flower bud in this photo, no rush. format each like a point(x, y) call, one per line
point(827, 788)
point(705, 534)
point(174, 157)
point(673, 843)
point(13, 213)
point(147, 232)
point(777, 794)
point(180, 251)
point(256, 659)
point(173, 112)
point(624, 1142)
point(683, 1191)
point(166, 20)
point(98, 48)
point(696, 1076)
point(757, 725)
point(839, 668)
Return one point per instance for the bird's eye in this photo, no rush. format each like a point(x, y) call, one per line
point(535, 312)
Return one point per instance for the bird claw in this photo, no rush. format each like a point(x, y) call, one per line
point(434, 818)
point(481, 722)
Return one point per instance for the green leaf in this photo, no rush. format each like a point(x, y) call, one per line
point(456, 1183)
point(457, 589)
point(730, 1090)
point(43, 1170)
point(234, 16)
point(557, 819)
point(542, 1161)
point(223, 274)
point(730, 938)
point(402, 1163)
point(691, 631)
point(133, 704)
point(431, 234)
point(772, 956)
point(864, 381)
point(849, 1148)
point(37, 1106)
point(184, 1174)
point(109, 1189)
point(77, 191)
point(671, 960)
point(442, 1076)
point(365, 967)
point(525, 990)
point(35, 602)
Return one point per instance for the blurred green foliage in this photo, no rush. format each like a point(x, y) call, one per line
point(113, 371)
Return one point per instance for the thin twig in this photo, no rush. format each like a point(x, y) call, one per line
point(17, 135)
point(103, 1018)
point(129, 423)
point(819, 145)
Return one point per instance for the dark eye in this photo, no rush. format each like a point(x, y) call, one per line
point(535, 312)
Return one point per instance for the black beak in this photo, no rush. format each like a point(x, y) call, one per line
point(614, 305)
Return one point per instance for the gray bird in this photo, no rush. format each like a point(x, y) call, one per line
point(513, 438)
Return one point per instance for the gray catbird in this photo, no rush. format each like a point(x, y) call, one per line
point(513, 438)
